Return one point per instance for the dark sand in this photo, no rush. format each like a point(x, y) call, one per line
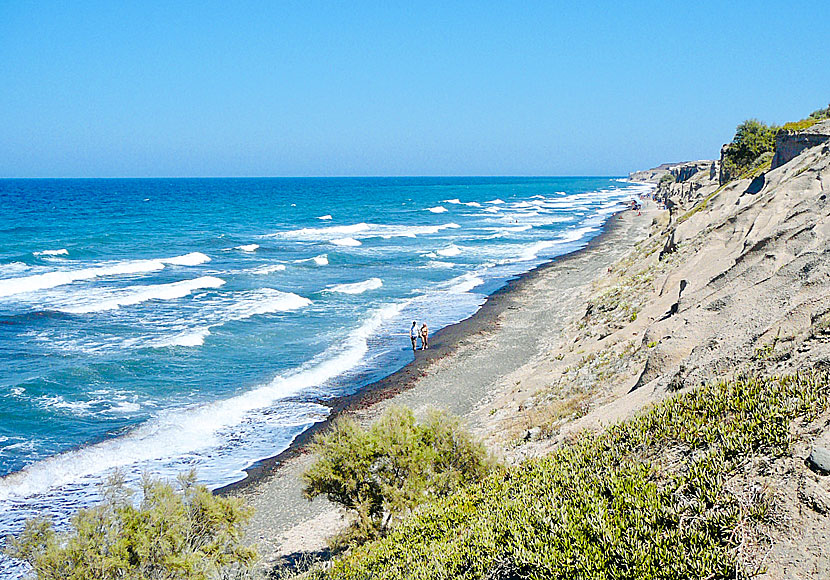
point(466, 365)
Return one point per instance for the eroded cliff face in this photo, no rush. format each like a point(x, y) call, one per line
point(790, 144)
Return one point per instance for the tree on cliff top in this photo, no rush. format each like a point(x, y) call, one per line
point(753, 139)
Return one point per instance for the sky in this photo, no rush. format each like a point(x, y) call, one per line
point(306, 88)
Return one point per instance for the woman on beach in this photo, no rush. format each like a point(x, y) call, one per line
point(424, 336)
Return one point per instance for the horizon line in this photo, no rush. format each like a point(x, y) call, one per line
point(312, 176)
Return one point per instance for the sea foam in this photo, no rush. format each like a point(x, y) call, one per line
point(175, 432)
point(61, 252)
point(36, 282)
point(138, 294)
point(346, 242)
point(357, 287)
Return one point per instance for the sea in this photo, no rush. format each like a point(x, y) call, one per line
point(162, 325)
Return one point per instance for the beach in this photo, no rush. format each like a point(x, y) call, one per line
point(468, 365)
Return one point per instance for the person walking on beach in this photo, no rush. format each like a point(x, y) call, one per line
point(424, 336)
point(413, 335)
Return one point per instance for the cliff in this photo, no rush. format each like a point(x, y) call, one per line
point(790, 144)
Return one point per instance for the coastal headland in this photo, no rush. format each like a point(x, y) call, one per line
point(732, 281)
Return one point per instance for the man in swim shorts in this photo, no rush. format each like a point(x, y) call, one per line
point(413, 335)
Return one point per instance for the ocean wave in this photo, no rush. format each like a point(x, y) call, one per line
point(37, 282)
point(324, 217)
point(103, 403)
point(138, 294)
point(357, 287)
point(346, 242)
point(437, 209)
point(449, 251)
point(247, 248)
point(532, 251)
point(465, 283)
point(496, 201)
point(13, 268)
point(263, 301)
point(186, 338)
point(61, 252)
point(191, 259)
point(268, 269)
point(360, 231)
point(438, 264)
point(173, 433)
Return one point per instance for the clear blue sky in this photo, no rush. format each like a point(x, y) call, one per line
point(395, 88)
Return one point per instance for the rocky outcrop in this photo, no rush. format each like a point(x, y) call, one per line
point(723, 174)
point(790, 144)
point(681, 172)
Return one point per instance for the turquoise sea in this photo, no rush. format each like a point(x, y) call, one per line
point(166, 324)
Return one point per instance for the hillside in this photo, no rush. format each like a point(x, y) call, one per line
point(735, 284)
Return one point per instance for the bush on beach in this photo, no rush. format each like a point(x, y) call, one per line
point(183, 533)
point(382, 473)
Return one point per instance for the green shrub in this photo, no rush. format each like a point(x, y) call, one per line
point(383, 472)
point(183, 534)
point(645, 499)
point(667, 178)
point(752, 139)
point(821, 114)
point(815, 117)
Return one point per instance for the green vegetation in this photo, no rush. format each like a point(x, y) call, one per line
point(380, 474)
point(752, 139)
point(183, 534)
point(667, 178)
point(815, 117)
point(658, 496)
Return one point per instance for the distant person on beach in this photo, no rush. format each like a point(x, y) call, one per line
point(413, 335)
point(424, 336)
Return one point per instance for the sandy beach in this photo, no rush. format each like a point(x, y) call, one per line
point(467, 366)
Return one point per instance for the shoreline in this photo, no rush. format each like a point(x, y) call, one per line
point(522, 321)
point(443, 343)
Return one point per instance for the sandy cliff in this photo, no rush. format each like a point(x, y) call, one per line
point(736, 282)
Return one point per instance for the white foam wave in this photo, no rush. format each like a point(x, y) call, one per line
point(139, 294)
point(269, 269)
point(321, 260)
point(496, 201)
point(455, 201)
point(324, 217)
point(264, 301)
point(346, 242)
point(191, 259)
point(186, 338)
point(473, 204)
point(437, 209)
point(248, 248)
point(438, 264)
point(449, 251)
point(465, 283)
point(61, 252)
point(532, 251)
point(361, 231)
point(357, 287)
point(36, 282)
point(13, 268)
point(174, 433)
